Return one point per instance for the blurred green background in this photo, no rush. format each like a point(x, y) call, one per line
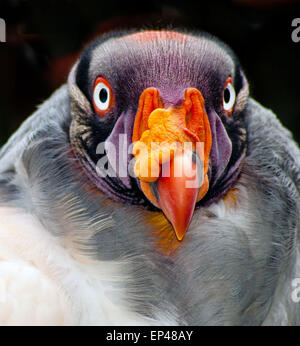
point(45, 37)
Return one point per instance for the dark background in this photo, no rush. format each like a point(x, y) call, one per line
point(45, 37)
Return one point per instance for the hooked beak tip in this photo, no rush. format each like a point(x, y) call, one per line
point(176, 201)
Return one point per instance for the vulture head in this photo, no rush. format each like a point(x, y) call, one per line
point(158, 120)
point(174, 196)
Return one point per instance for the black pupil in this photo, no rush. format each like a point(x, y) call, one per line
point(226, 95)
point(103, 95)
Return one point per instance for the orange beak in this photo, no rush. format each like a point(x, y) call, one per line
point(172, 148)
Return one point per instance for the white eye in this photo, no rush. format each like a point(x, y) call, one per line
point(101, 96)
point(228, 97)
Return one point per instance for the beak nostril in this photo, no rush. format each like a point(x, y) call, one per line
point(188, 117)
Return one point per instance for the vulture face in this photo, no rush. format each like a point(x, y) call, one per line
point(174, 196)
point(158, 120)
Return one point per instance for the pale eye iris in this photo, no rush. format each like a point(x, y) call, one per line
point(101, 96)
point(228, 97)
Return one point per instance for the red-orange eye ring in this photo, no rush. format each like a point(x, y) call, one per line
point(103, 98)
point(228, 97)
